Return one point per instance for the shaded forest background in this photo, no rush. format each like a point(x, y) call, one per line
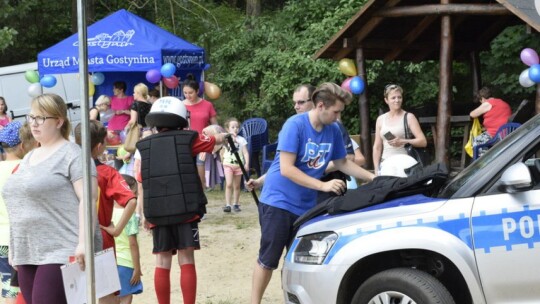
point(260, 50)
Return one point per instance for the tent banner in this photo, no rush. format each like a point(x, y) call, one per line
point(122, 42)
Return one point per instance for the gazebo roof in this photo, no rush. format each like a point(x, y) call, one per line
point(410, 30)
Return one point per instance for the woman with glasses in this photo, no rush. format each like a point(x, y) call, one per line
point(390, 129)
point(44, 199)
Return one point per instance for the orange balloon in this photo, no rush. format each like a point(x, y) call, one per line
point(211, 90)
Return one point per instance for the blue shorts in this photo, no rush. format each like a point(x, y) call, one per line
point(126, 288)
point(276, 234)
point(8, 291)
point(199, 161)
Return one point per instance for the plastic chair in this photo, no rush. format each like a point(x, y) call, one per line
point(255, 131)
point(503, 131)
point(268, 154)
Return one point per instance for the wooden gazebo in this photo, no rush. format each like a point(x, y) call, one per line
point(417, 30)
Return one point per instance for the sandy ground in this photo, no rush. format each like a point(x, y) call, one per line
point(229, 247)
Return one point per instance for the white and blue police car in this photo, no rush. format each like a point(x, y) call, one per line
point(476, 239)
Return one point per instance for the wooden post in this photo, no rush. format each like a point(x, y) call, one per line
point(537, 98)
point(363, 111)
point(444, 111)
point(476, 75)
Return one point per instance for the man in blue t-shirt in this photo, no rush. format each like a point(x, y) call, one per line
point(307, 143)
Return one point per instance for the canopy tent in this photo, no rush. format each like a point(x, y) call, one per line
point(124, 42)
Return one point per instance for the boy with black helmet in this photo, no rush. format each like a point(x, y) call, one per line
point(173, 196)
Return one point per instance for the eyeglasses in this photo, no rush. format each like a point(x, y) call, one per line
point(300, 102)
point(38, 119)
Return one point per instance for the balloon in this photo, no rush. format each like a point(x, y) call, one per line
point(153, 76)
point(167, 70)
point(34, 89)
point(98, 78)
point(347, 67)
point(91, 88)
point(211, 90)
point(357, 85)
point(346, 84)
point(529, 56)
point(524, 79)
point(171, 82)
point(534, 73)
point(31, 76)
point(48, 81)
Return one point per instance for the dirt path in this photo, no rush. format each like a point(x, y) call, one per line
point(229, 247)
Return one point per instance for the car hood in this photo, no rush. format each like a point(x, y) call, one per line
point(400, 207)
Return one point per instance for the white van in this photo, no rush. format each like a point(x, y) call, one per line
point(14, 88)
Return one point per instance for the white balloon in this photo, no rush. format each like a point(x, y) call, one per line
point(34, 89)
point(524, 79)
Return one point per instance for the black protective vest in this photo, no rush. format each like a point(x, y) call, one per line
point(172, 189)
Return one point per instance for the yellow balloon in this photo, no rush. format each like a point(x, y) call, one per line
point(211, 90)
point(91, 88)
point(347, 67)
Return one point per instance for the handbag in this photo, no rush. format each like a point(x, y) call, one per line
point(132, 137)
point(419, 154)
point(476, 130)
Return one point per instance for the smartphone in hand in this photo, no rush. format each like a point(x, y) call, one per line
point(389, 136)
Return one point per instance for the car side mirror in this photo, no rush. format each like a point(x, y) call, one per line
point(515, 178)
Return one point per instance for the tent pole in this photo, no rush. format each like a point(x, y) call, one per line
point(87, 189)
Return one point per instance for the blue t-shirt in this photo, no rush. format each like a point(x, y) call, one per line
point(314, 150)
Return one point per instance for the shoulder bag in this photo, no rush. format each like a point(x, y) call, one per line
point(420, 154)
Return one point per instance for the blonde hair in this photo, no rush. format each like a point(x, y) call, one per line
point(55, 106)
point(329, 92)
point(103, 99)
point(392, 87)
point(27, 139)
point(229, 120)
point(142, 89)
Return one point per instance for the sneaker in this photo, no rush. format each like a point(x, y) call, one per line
point(227, 209)
point(236, 208)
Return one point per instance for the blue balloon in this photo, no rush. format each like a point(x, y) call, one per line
point(534, 73)
point(98, 78)
point(357, 85)
point(48, 81)
point(167, 70)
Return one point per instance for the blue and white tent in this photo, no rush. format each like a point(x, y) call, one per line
point(122, 42)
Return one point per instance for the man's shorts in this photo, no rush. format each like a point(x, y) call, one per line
point(276, 234)
point(176, 237)
point(126, 288)
point(8, 291)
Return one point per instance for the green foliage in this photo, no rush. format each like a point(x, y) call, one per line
point(260, 61)
point(7, 35)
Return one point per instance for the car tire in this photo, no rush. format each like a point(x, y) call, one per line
point(402, 285)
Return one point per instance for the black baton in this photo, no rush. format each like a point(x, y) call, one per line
point(234, 150)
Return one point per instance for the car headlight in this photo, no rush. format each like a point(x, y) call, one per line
point(313, 248)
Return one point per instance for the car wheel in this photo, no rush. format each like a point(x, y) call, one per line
point(402, 286)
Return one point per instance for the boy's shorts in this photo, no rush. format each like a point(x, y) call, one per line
point(176, 237)
point(8, 291)
point(126, 288)
point(276, 234)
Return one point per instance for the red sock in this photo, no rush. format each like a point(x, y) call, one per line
point(188, 283)
point(20, 299)
point(162, 285)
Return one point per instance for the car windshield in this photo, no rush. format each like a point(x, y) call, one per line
point(474, 169)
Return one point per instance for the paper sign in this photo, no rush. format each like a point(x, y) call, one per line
point(106, 276)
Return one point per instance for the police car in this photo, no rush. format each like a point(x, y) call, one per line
point(475, 240)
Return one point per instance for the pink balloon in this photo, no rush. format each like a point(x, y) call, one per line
point(346, 84)
point(529, 56)
point(171, 82)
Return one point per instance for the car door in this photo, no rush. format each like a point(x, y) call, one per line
point(506, 237)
